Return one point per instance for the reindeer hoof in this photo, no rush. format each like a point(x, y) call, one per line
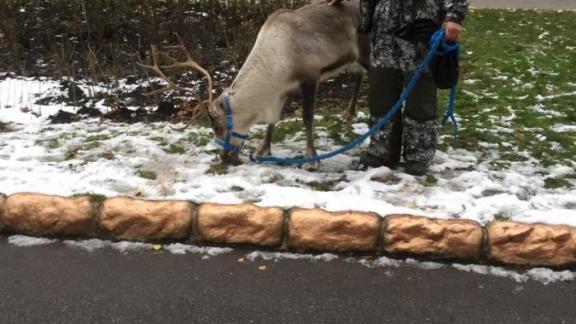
point(263, 152)
point(311, 166)
point(348, 117)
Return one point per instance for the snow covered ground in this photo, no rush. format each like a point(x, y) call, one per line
point(154, 162)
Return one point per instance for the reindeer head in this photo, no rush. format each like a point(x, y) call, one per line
point(215, 109)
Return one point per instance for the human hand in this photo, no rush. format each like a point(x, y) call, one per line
point(453, 31)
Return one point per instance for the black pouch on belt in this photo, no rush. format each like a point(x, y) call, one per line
point(445, 69)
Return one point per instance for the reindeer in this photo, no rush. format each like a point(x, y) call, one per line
point(295, 50)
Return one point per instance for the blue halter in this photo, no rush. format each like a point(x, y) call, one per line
point(230, 133)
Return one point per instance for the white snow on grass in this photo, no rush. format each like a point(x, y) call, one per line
point(18, 97)
point(152, 161)
point(559, 95)
point(26, 241)
point(564, 128)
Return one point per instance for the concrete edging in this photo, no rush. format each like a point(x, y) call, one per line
point(124, 218)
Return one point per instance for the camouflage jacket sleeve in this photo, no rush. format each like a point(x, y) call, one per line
point(456, 10)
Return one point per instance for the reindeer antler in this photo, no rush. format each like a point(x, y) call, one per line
point(203, 105)
point(189, 63)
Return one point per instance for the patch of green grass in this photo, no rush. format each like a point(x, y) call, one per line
point(199, 140)
point(161, 140)
point(218, 169)
point(95, 138)
point(321, 185)
point(91, 145)
point(517, 61)
point(47, 129)
point(285, 129)
point(430, 180)
point(147, 174)
point(52, 144)
point(71, 152)
point(108, 155)
point(501, 217)
point(176, 148)
point(339, 132)
point(555, 183)
point(500, 165)
point(5, 128)
point(325, 185)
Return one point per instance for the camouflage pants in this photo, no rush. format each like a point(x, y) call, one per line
point(415, 129)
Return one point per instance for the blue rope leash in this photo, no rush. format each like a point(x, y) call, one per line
point(438, 46)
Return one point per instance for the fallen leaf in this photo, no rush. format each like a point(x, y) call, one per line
point(241, 260)
point(262, 268)
point(156, 247)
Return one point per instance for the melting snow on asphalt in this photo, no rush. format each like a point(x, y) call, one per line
point(542, 275)
point(124, 247)
point(26, 241)
point(127, 247)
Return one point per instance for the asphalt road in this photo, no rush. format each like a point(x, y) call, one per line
point(58, 284)
point(526, 4)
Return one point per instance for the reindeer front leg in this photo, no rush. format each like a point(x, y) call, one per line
point(265, 148)
point(308, 90)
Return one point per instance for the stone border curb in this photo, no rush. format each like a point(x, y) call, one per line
point(124, 218)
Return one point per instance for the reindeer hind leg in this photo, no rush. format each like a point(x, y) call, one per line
point(352, 109)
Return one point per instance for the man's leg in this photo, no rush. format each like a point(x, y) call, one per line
point(385, 87)
point(420, 125)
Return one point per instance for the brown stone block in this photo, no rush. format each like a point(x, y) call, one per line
point(131, 219)
point(36, 214)
point(461, 239)
point(2, 200)
point(241, 224)
point(317, 229)
point(532, 244)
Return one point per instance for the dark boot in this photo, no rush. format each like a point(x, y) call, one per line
point(420, 141)
point(385, 146)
